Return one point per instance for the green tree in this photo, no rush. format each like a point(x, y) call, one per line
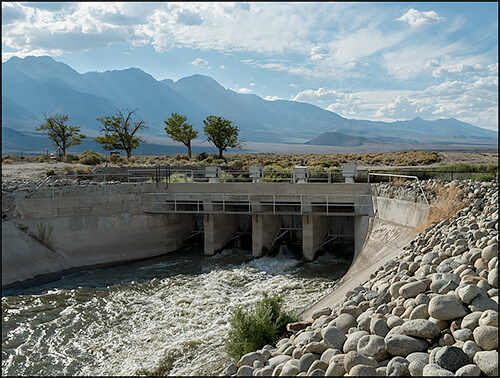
point(180, 131)
point(222, 133)
point(119, 131)
point(63, 136)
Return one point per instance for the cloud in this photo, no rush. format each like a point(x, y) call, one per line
point(199, 62)
point(11, 12)
point(345, 108)
point(458, 69)
point(272, 98)
point(245, 90)
point(355, 64)
point(223, 67)
point(474, 101)
point(293, 85)
point(343, 103)
point(416, 18)
point(186, 17)
point(412, 61)
point(322, 94)
point(318, 53)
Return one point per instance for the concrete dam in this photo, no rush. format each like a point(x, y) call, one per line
point(93, 226)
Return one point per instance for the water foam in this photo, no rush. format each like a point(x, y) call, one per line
point(179, 321)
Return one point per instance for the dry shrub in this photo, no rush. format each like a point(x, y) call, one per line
point(450, 201)
point(398, 181)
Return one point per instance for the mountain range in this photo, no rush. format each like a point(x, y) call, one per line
point(34, 86)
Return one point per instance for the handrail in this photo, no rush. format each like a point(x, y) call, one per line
point(38, 187)
point(253, 202)
point(403, 176)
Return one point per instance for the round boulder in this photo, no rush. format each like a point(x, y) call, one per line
point(469, 370)
point(306, 361)
point(422, 328)
point(446, 307)
point(486, 337)
point(352, 359)
point(451, 358)
point(434, 370)
point(333, 337)
point(402, 345)
point(373, 346)
point(487, 361)
point(398, 367)
point(483, 303)
point(489, 318)
point(344, 322)
point(467, 293)
point(322, 311)
point(412, 289)
point(351, 343)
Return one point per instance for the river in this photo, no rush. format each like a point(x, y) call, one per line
point(171, 312)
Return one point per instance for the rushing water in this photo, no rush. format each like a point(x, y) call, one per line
point(171, 311)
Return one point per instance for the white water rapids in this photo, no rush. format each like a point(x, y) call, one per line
point(172, 311)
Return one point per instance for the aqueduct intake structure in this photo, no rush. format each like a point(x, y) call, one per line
point(96, 225)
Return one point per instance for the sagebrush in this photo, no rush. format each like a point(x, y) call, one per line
point(264, 323)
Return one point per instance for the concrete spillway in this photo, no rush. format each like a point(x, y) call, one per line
point(86, 228)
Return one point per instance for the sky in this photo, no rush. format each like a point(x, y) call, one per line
point(369, 60)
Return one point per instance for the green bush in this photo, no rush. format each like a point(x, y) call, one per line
point(68, 170)
point(330, 163)
point(115, 158)
point(50, 172)
point(82, 173)
point(90, 157)
point(70, 157)
point(264, 323)
point(201, 156)
point(472, 168)
point(481, 177)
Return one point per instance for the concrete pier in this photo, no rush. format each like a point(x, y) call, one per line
point(314, 232)
point(264, 227)
point(218, 229)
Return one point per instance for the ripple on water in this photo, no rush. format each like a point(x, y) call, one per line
point(175, 316)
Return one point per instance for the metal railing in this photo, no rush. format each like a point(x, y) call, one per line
point(233, 203)
point(390, 175)
point(106, 178)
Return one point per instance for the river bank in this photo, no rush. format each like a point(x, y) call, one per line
point(432, 310)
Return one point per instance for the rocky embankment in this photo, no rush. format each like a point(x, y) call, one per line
point(432, 311)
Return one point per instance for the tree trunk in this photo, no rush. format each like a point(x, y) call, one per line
point(189, 150)
point(220, 154)
point(129, 154)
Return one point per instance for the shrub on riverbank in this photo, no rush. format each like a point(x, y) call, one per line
point(264, 323)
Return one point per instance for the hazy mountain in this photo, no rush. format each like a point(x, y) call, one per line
point(36, 85)
point(337, 139)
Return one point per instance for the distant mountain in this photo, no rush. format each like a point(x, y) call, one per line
point(36, 85)
point(337, 139)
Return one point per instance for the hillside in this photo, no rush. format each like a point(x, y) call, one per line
point(36, 85)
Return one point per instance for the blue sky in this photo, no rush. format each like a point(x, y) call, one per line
point(372, 60)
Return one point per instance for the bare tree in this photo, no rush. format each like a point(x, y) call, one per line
point(120, 131)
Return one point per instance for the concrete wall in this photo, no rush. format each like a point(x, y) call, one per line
point(90, 228)
point(382, 236)
point(87, 231)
